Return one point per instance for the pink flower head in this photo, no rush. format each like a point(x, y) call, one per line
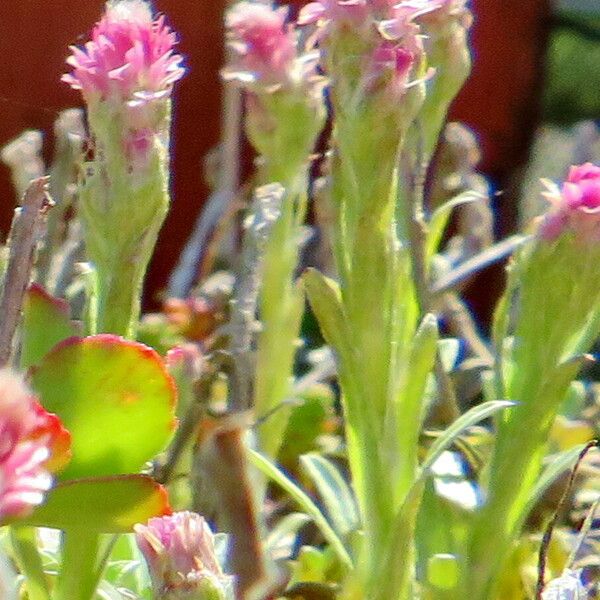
point(575, 206)
point(264, 44)
point(359, 12)
point(180, 553)
point(349, 12)
point(401, 18)
point(32, 444)
point(130, 56)
point(396, 62)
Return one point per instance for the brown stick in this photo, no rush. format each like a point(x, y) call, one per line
point(24, 232)
point(543, 552)
point(224, 467)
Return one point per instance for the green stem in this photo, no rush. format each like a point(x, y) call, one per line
point(79, 575)
point(496, 530)
point(119, 297)
point(29, 561)
point(281, 306)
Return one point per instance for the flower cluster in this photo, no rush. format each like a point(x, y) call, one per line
point(575, 206)
point(265, 49)
point(130, 56)
point(180, 553)
point(385, 32)
point(130, 66)
point(33, 444)
point(262, 41)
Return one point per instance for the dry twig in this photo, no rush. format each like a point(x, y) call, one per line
point(23, 238)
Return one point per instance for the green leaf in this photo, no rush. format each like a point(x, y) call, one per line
point(101, 505)
point(449, 349)
point(282, 537)
point(561, 463)
point(29, 561)
point(471, 417)
point(443, 571)
point(269, 469)
point(46, 322)
point(116, 399)
point(325, 299)
point(307, 421)
point(334, 491)
point(439, 219)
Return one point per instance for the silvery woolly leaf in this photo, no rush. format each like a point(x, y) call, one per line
point(566, 587)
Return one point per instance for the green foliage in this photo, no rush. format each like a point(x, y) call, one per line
point(116, 399)
point(572, 78)
point(102, 504)
point(46, 322)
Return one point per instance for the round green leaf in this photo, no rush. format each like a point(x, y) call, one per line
point(45, 322)
point(102, 505)
point(114, 396)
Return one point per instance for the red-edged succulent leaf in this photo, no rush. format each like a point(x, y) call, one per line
point(46, 322)
point(49, 426)
point(103, 504)
point(114, 396)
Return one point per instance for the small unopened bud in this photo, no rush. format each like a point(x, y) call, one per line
point(179, 550)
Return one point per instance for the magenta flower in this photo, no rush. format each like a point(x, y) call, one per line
point(130, 56)
point(263, 42)
point(575, 205)
point(393, 14)
point(393, 62)
point(32, 444)
point(349, 12)
point(179, 550)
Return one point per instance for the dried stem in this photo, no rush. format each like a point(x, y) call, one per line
point(222, 462)
point(265, 212)
point(23, 238)
point(462, 325)
point(543, 553)
point(188, 426)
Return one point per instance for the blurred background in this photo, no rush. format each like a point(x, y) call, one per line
point(533, 100)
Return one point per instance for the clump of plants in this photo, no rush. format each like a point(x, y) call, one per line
point(322, 418)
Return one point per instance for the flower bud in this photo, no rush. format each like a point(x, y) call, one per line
point(179, 550)
point(126, 74)
point(284, 93)
point(575, 206)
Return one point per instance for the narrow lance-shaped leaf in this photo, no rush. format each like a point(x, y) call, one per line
point(335, 492)
point(439, 219)
point(270, 470)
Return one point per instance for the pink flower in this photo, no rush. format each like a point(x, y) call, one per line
point(264, 44)
point(402, 16)
point(180, 553)
point(32, 444)
point(358, 12)
point(575, 206)
point(130, 56)
point(396, 61)
point(350, 12)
